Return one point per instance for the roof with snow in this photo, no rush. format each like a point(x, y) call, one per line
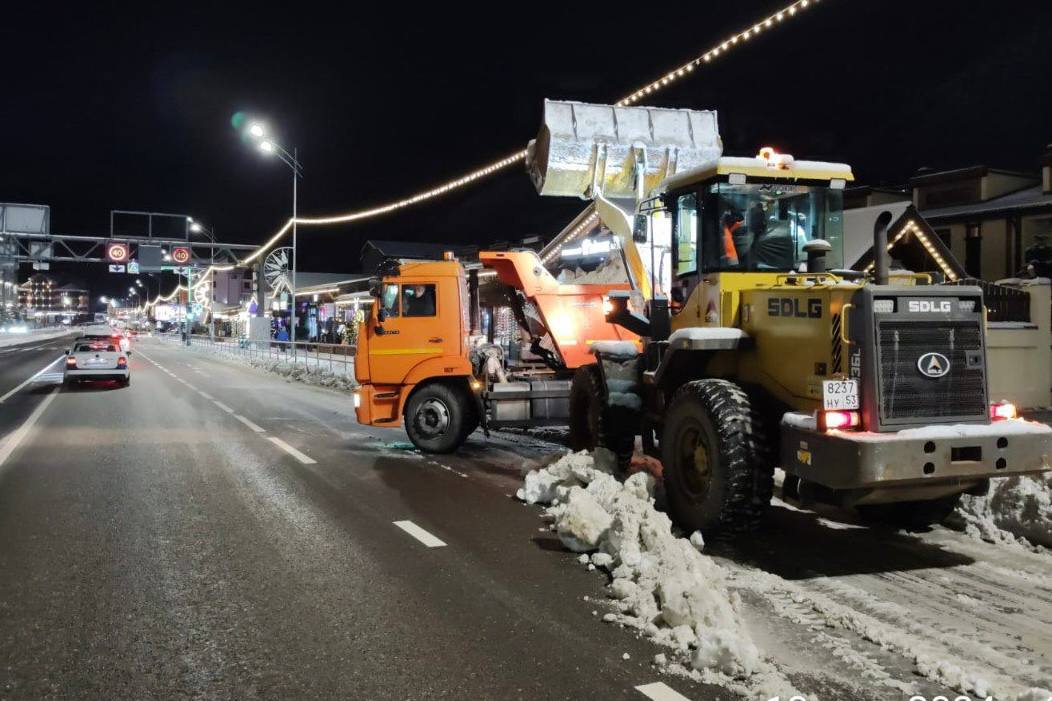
point(1031, 199)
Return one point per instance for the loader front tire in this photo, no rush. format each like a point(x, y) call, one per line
point(437, 418)
point(718, 476)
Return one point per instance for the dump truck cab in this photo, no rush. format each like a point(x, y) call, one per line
point(412, 348)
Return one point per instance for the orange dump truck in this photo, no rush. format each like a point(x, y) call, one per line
point(421, 360)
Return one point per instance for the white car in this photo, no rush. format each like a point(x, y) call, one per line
point(95, 359)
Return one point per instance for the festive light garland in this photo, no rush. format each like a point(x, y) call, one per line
point(769, 22)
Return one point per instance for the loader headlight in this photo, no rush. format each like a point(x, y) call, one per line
point(357, 400)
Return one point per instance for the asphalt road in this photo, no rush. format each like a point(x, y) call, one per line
point(214, 532)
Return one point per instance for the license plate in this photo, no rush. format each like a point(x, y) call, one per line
point(839, 394)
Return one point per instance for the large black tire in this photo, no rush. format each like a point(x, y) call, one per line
point(910, 515)
point(717, 471)
point(593, 423)
point(437, 417)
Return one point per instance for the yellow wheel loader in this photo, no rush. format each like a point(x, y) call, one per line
point(868, 388)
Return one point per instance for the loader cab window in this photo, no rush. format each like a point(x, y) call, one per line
point(418, 300)
point(764, 226)
point(686, 224)
point(389, 300)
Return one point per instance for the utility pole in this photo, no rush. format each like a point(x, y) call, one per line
point(189, 302)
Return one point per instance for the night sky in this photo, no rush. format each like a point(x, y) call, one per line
point(129, 108)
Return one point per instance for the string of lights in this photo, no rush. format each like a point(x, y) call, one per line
point(738, 39)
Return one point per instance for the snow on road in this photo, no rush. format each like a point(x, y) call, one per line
point(815, 602)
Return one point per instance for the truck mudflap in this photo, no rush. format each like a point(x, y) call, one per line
point(957, 455)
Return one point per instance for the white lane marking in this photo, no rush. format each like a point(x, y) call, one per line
point(19, 434)
point(305, 459)
point(223, 406)
point(35, 376)
point(206, 395)
point(190, 386)
point(254, 427)
point(659, 691)
point(420, 534)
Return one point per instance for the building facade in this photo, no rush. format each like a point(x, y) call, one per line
point(996, 222)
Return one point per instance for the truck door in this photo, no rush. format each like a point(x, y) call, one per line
point(411, 330)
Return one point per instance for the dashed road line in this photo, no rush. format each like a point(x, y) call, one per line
point(35, 376)
point(659, 691)
point(223, 406)
point(420, 534)
point(206, 395)
point(14, 439)
point(305, 459)
point(254, 427)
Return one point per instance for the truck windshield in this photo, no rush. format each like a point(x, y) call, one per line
point(759, 226)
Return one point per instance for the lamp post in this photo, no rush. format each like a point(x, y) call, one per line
point(270, 147)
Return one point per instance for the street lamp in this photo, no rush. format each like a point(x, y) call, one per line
point(268, 146)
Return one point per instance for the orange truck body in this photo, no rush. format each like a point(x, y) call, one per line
point(415, 350)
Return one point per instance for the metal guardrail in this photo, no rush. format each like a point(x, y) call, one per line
point(336, 358)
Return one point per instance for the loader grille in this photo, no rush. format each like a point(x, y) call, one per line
point(905, 393)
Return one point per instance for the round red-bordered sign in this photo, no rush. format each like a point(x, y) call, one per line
point(181, 255)
point(117, 252)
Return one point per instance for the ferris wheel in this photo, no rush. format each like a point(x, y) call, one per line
point(276, 269)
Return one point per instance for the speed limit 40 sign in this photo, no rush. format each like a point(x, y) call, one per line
point(117, 251)
point(181, 255)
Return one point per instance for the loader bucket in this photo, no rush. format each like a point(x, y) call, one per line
point(587, 150)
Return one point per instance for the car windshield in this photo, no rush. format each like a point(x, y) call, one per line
point(758, 226)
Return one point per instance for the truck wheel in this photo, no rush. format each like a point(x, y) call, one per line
point(586, 407)
point(435, 418)
point(910, 515)
point(718, 476)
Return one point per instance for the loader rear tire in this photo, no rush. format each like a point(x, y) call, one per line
point(586, 407)
point(910, 515)
point(437, 418)
point(717, 471)
point(593, 423)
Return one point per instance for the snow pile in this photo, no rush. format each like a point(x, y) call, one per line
point(1017, 510)
point(661, 584)
point(319, 377)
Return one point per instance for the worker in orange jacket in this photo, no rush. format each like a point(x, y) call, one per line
point(732, 221)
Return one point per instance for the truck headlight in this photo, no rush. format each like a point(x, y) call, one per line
point(357, 400)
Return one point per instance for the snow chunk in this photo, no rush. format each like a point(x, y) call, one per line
point(660, 585)
point(1017, 510)
point(581, 522)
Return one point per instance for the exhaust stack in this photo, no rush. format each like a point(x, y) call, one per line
point(881, 257)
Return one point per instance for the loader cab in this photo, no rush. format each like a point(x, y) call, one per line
point(741, 223)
